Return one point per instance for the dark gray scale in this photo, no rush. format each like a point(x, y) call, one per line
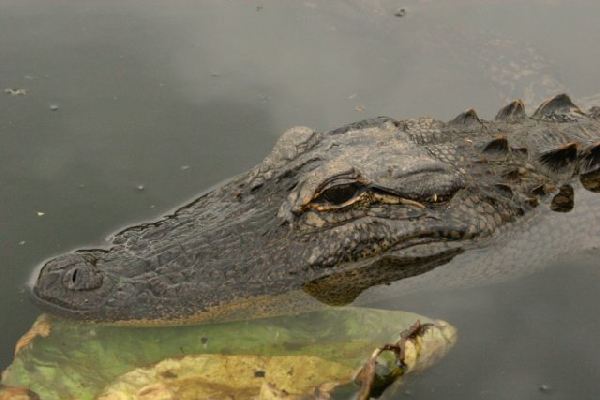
point(514, 110)
point(564, 200)
point(561, 159)
point(543, 189)
point(514, 174)
point(590, 157)
point(560, 108)
point(591, 181)
point(466, 118)
point(497, 147)
point(504, 189)
point(590, 166)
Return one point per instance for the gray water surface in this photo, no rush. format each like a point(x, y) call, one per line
point(132, 108)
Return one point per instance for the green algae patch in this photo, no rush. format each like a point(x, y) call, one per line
point(63, 360)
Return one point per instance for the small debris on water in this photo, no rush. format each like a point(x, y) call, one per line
point(545, 388)
point(152, 206)
point(184, 167)
point(264, 98)
point(360, 108)
point(353, 96)
point(400, 13)
point(22, 242)
point(16, 92)
point(54, 107)
point(141, 188)
point(40, 214)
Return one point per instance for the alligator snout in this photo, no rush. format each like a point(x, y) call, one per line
point(75, 271)
point(73, 276)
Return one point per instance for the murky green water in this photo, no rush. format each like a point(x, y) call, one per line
point(132, 108)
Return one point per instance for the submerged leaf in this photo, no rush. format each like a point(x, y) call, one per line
point(216, 376)
point(79, 360)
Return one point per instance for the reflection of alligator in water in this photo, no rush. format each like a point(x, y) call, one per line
point(337, 214)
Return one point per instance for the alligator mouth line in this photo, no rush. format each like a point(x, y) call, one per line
point(403, 255)
point(254, 306)
point(407, 250)
point(345, 285)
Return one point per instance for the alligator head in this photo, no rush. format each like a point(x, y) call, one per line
point(328, 215)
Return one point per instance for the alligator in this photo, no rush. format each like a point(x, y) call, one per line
point(374, 209)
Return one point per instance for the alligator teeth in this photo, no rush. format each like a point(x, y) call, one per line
point(512, 111)
point(409, 202)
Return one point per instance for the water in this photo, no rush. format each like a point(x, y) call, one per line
point(132, 108)
point(528, 339)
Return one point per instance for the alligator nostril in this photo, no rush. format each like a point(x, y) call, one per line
point(83, 277)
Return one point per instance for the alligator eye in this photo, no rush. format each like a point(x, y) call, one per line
point(340, 194)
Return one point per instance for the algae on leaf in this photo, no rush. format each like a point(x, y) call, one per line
point(82, 361)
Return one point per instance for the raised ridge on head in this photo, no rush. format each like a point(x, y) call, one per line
point(515, 110)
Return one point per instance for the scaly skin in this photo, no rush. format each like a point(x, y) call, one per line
point(334, 218)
